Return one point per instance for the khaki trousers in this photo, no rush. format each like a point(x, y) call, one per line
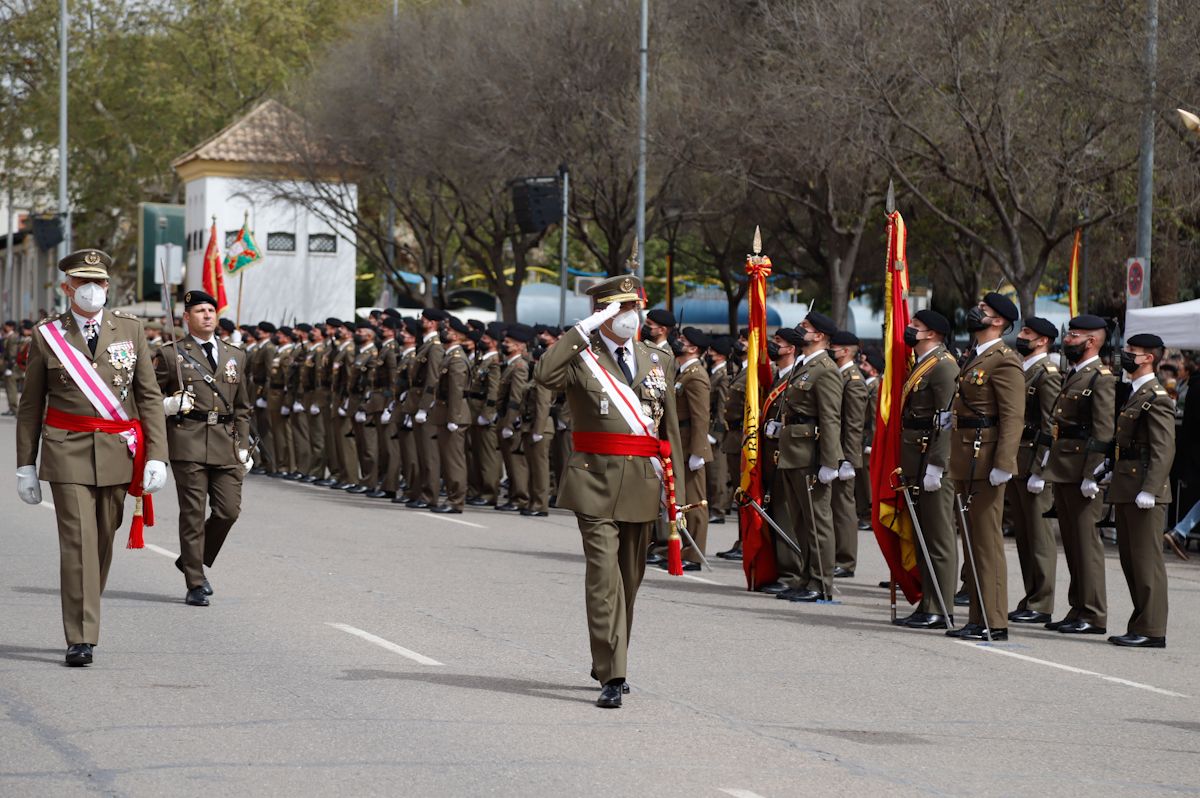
point(389, 445)
point(935, 511)
point(484, 464)
point(428, 462)
point(318, 459)
point(281, 433)
point(410, 468)
point(537, 465)
point(88, 519)
point(695, 489)
point(302, 445)
point(717, 490)
point(10, 391)
point(615, 557)
point(1084, 553)
point(200, 539)
point(845, 523)
point(452, 454)
point(1036, 547)
point(1139, 542)
point(347, 450)
point(333, 449)
point(518, 472)
point(782, 512)
point(366, 440)
point(260, 425)
point(986, 537)
point(813, 521)
point(862, 488)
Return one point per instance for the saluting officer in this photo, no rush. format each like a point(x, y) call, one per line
point(92, 402)
point(692, 398)
point(208, 426)
point(1036, 547)
point(423, 379)
point(844, 346)
point(514, 382)
point(1141, 490)
point(1083, 420)
point(924, 456)
point(451, 417)
point(622, 408)
point(989, 413)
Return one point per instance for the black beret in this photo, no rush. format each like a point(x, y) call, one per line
point(1042, 326)
point(435, 314)
point(519, 332)
point(554, 330)
point(285, 330)
point(495, 331)
point(662, 317)
point(1002, 305)
point(226, 324)
point(413, 325)
point(375, 313)
point(27, 325)
point(1087, 322)
point(391, 323)
point(10, 323)
point(697, 337)
point(458, 326)
point(793, 337)
point(304, 327)
point(821, 322)
point(538, 329)
point(722, 345)
point(198, 297)
point(391, 313)
point(875, 358)
point(1145, 341)
point(474, 334)
point(333, 321)
point(843, 338)
point(744, 332)
point(476, 324)
point(266, 326)
point(934, 321)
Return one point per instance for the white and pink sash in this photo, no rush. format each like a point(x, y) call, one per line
point(627, 402)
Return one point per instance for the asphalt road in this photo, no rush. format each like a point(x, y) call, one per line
point(358, 648)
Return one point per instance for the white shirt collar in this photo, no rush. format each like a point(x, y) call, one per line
point(986, 345)
point(202, 341)
point(783, 372)
point(452, 347)
point(685, 366)
point(82, 320)
point(488, 355)
point(806, 358)
point(407, 350)
point(1031, 360)
point(717, 367)
point(846, 365)
point(613, 346)
point(512, 359)
point(429, 337)
point(1140, 381)
point(1079, 366)
point(927, 354)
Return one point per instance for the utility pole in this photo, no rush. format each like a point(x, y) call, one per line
point(1145, 220)
point(564, 175)
point(641, 172)
point(64, 204)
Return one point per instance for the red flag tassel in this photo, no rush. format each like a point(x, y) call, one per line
point(674, 551)
point(136, 541)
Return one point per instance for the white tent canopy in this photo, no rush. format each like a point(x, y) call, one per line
point(1178, 325)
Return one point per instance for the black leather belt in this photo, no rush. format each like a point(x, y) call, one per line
point(800, 420)
point(976, 422)
point(1133, 453)
point(211, 417)
point(917, 423)
point(475, 395)
point(1072, 431)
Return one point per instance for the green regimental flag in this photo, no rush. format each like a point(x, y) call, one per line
point(242, 252)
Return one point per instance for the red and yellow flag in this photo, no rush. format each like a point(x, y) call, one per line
point(214, 278)
point(1073, 279)
point(758, 558)
point(893, 526)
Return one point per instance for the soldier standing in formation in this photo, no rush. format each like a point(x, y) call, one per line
point(514, 382)
point(692, 402)
point(483, 396)
point(341, 382)
point(10, 344)
point(423, 379)
point(451, 417)
point(844, 346)
point(93, 404)
point(367, 402)
point(734, 411)
point(718, 470)
point(403, 445)
point(208, 429)
point(260, 366)
point(537, 435)
point(782, 352)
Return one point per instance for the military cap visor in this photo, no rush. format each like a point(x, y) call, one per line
point(1087, 322)
point(1002, 305)
point(1042, 327)
point(934, 321)
point(1145, 341)
point(821, 323)
point(89, 264)
point(622, 288)
point(843, 338)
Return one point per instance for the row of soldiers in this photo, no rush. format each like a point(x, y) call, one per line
point(15, 339)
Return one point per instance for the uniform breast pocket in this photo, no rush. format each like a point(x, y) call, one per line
point(54, 434)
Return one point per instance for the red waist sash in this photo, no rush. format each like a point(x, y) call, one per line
point(620, 444)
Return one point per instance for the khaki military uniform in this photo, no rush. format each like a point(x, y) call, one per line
point(203, 446)
point(514, 382)
point(845, 512)
point(989, 413)
point(536, 420)
point(297, 419)
point(319, 399)
point(279, 399)
point(717, 472)
point(89, 473)
point(615, 498)
point(343, 376)
point(862, 482)
point(483, 460)
point(260, 369)
point(1083, 420)
point(423, 378)
point(385, 431)
point(692, 404)
point(927, 393)
point(406, 442)
point(450, 408)
point(789, 566)
point(1145, 450)
point(563, 446)
point(366, 404)
point(734, 412)
point(1036, 547)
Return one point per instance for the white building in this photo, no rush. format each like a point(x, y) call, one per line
point(28, 275)
point(308, 269)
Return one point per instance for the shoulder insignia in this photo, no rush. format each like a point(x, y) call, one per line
point(1104, 370)
point(1051, 368)
point(854, 377)
point(44, 321)
point(1159, 392)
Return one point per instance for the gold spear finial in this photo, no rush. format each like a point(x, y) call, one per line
point(757, 246)
point(1190, 120)
point(889, 203)
point(632, 263)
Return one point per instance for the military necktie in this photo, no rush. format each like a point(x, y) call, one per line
point(91, 334)
point(208, 353)
point(624, 365)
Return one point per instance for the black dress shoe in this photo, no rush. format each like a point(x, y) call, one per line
point(979, 633)
point(1131, 641)
point(79, 654)
point(478, 502)
point(389, 494)
point(864, 526)
point(610, 696)
point(310, 479)
point(258, 471)
point(534, 513)
point(624, 684)
point(206, 587)
point(969, 629)
point(842, 573)
point(688, 565)
point(962, 599)
point(725, 555)
point(1081, 628)
point(1029, 616)
point(443, 509)
point(885, 583)
point(295, 476)
point(358, 490)
point(507, 507)
point(806, 596)
point(277, 474)
point(400, 498)
point(786, 595)
point(1053, 625)
point(716, 518)
point(734, 556)
point(656, 559)
point(376, 494)
point(417, 504)
point(927, 620)
point(325, 483)
point(772, 589)
point(195, 597)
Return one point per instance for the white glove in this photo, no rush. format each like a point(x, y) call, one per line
point(1144, 500)
point(341, 412)
point(1035, 485)
point(284, 410)
point(450, 425)
point(712, 441)
point(560, 425)
point(998, 477)
point(315, 410)
point(845, 471)
point(420, 417)
point(506, 433)
point(155, 476)
point(297, 407)
point(244, 458)
point(360, 417)
point(260, 403)
point(180, 402)
point(536, 437)
point(1089, 489)
point(482, 421)
point(386, 417)
point(932, 480)
point(945, 419)
point(593, 322)
point(866, 450)
point(408, 422)
point(28, 487)
point(695, 462)
point(1045, 458)
point(827, 475)
point(8, 372)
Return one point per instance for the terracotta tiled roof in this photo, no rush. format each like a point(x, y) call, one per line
point(261, 136)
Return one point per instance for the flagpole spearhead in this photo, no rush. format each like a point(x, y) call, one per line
point(757, 246)
point(632, 263)
point(889, 203)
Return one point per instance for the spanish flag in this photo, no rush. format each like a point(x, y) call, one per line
point(893, 527)
point(214, 277)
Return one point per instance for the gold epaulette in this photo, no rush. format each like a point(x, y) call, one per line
point(1158, 391)
point(1104, 370)
point(1051, 367)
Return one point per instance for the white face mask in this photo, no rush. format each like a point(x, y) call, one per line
point(626, 324)
point(90, 297)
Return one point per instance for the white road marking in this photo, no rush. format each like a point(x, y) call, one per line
point(459, 521)
point(656, 570)
point(386, 644)
point(162, 551)
point(738, 793)
point(1071, 669)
